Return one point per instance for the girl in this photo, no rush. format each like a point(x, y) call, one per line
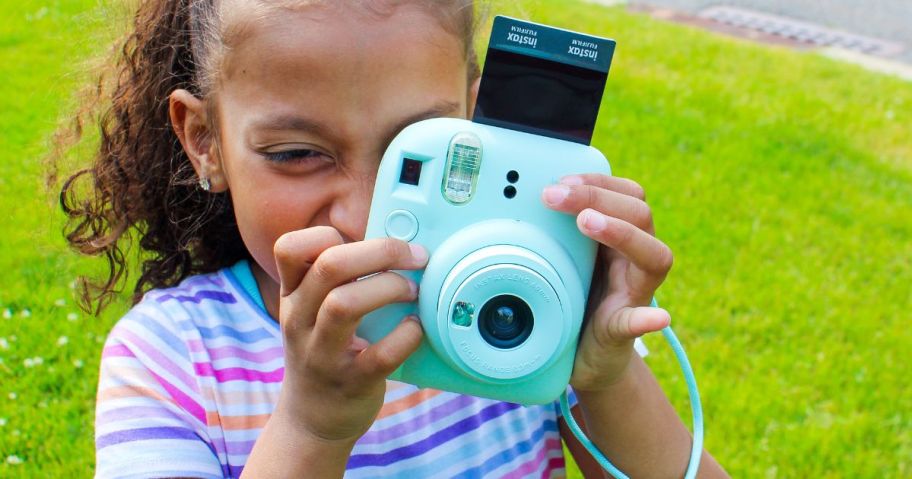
point(240, 148)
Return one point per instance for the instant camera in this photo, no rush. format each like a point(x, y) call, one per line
point(502, 298)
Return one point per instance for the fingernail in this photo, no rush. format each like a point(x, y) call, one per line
point(594, 221)
point(555, 194)
point(571, 180)
point(418, 252)
point(413, 288)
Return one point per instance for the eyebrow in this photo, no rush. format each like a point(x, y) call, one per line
point(440, 109)
point(299, 123)
point(290, 122)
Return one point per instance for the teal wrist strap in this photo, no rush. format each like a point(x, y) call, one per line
point(696, 451)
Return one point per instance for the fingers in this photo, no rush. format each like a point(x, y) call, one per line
point(616, 197)
point(344, 263)
point(384, 356)
point(651, 259)
point(345, 305)
point(351, 261)
point(296, 251)
point(614, 183)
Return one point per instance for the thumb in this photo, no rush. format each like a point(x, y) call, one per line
point(632, 322)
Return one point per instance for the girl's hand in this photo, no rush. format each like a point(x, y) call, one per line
point(335, 381)
point(630, 265)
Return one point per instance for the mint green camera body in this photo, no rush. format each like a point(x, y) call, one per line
point(502, 298)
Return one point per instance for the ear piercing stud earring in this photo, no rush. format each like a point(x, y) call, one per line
point(204, 184)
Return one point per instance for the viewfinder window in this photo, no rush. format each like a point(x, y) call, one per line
point(411, 171)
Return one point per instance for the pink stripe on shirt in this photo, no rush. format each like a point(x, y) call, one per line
point(533, 464)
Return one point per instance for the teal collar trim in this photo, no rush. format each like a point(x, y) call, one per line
point(244, 276)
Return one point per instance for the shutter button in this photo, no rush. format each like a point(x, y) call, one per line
point(402, 225)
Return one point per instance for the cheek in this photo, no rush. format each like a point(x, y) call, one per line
point(260, 231)
point(267, 206)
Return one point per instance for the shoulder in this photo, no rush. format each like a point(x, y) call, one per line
point(200, 307)
point(196, 297)
point(151, 409)
point(158, 338)
point(157, 406)
point(170, 334)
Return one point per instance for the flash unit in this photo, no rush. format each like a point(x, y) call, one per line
point(462, 166)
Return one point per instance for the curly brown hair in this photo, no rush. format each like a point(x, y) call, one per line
point(141, 184)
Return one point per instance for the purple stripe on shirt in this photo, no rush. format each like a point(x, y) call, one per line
point(234, 448)
point(144, 434)
point(235, 471)
point(221, 332)
point(201, 280)
point(240, 448)
point(416, 422)
point(513, 451)
point(239, 374)
point(220, 296)
point(470, 423)
point(161, 360)
point(234, 352)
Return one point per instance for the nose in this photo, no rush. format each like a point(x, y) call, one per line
point(350, 210)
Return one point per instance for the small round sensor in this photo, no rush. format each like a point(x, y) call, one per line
point(512, 176)
point(510, 191)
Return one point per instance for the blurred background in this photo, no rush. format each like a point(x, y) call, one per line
point(877, 27)
point(774, 140)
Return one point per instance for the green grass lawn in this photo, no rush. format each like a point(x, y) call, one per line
point(782, 181)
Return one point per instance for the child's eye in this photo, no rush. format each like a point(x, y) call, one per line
point(296, 156)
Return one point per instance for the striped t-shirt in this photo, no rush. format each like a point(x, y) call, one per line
point(190, 375)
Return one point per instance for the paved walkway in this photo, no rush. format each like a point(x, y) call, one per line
point(884, 19)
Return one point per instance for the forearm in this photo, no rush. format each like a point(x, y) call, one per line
point(284, 451)
point(636, 427)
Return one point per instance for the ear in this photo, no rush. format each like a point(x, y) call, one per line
point(472, 98)
point(190, 122)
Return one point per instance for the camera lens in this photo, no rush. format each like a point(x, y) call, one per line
point(505, 321)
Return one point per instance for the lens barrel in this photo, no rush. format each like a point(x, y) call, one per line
point(505, 321)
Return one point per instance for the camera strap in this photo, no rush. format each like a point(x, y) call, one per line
point(696, 451)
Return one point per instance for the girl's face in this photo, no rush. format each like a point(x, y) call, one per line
point(307, 104)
